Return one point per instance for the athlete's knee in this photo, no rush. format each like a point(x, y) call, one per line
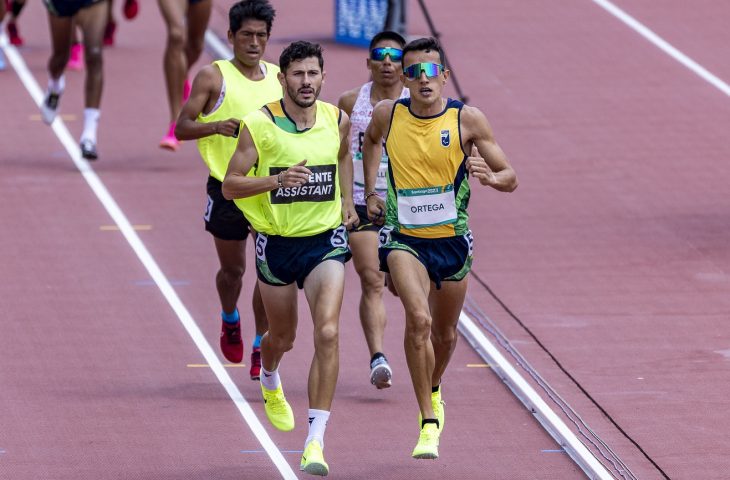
point(231, 274)
point(371, 281)
point(93, 59)
point(326, 337)
point(194, 49)
point(176, 37)
point(443, 338)
point(282, 342)
point(418, 326)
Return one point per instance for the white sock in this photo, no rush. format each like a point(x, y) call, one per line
point(91, 122)
point(270, 380)
point(56, 85)
point(317, 424)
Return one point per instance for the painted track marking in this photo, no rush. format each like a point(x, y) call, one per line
point(665, 46)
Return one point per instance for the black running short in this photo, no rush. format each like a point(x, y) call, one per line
point(223, 219)
point(67, 8)
point(285, 260)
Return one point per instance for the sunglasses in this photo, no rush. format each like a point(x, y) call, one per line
point(431, 70)
point(379, 54)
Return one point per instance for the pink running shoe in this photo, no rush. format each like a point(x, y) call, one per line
point(186, 90)
point(170, 141)
point(76, 59)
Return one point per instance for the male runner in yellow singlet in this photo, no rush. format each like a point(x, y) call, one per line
point(292, 172)
point(425, 243)
point(222, 94)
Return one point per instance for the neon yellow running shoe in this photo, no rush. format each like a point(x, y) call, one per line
point(277, 409)
point(428, 442)
point(313, 460)
point(437, 404)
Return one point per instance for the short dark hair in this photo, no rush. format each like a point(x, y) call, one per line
point(387, 35)
point(424, 45)
point(251, 10)
point(300, 50)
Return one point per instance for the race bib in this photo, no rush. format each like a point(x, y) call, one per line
point(426, 207)
point(381, 183)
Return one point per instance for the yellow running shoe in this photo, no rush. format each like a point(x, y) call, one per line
point(428, 442)
point(277, 409)
point(437, 404)
point(313, 460)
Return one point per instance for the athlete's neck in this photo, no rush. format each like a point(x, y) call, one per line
point(385, 92)
point(303, 117)
point(252, 72)
point(428, 109)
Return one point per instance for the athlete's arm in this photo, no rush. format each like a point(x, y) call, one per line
point(237, 185)
point(347, 100)
point(206, 88)
point(344, 168)
point(371, 154)
point(486, 161)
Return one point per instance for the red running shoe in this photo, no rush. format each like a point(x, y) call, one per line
point(231, 344)
point(255, 364)
point(14, 35)
point(131, 9)
point(111, 27)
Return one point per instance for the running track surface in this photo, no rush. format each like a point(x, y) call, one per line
point(613, 253)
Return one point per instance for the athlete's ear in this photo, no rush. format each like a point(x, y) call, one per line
point(281, 78)
point(230, 37)
point(447, 73)
point(324, 73)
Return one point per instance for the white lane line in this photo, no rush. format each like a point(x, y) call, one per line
point(111, 206)
point(665, 46)
point(532, 400)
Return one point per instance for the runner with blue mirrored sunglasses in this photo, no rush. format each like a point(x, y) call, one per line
point(379, 54)
point(431, 70)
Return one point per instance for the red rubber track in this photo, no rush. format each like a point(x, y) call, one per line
point(612, 252)
point(95, 376)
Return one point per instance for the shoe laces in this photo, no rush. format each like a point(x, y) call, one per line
point(256, 358)
point(429, 434)
point(233, 333)
point(277, 402)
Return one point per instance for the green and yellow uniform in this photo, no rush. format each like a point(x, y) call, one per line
point(428, 192)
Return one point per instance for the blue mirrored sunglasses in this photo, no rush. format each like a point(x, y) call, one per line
point(379, 54)
point(431, 70)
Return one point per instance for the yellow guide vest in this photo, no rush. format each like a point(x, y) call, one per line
point(311, 208)
point(242, 96)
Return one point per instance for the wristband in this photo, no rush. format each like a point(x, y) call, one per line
point(370, 194)
point(279, 182)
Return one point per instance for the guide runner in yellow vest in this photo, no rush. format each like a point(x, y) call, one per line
point(222, 94)
point(298, 197)
point(426, 244)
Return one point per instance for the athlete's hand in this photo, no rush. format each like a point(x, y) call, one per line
point(376, 209)
point(478, 168)
point(228, 128)
point(349, 216)
point(295, 176)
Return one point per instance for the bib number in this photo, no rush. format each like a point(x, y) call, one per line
point(261, 241)
point(339, 237)
point(384, 235)
point(426, 207)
